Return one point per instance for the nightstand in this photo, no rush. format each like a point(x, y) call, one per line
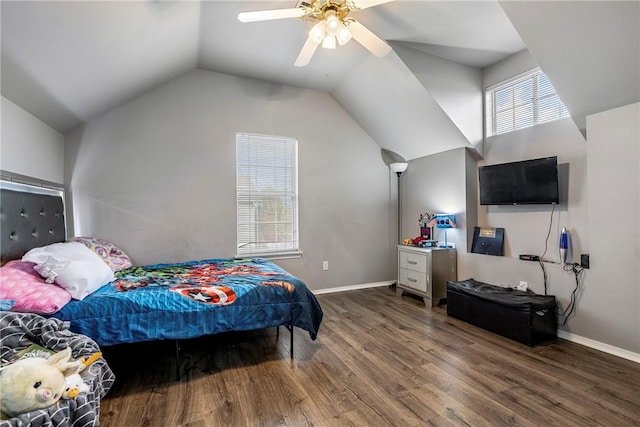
point(425, 272)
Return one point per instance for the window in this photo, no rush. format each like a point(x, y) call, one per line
point(522, 102)
point(266, 195)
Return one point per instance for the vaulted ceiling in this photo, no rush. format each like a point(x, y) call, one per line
point(67, 62)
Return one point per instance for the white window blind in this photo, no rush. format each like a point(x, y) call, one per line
point(522, 102)
point(266, 195)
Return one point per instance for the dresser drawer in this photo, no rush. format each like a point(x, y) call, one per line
point(413, 279)
point(413, 261)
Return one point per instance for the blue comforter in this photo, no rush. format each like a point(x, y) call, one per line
point(190, 299)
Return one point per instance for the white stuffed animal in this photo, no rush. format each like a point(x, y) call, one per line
point(74, 385)
point(35, 382)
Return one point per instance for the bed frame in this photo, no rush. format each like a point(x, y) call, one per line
point(29, 219)
point(35, 217)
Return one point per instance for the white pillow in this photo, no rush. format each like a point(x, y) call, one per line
point(72, 266)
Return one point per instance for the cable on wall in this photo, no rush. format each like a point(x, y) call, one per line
point(577, 271)
point(574, 268)
point(541, 260)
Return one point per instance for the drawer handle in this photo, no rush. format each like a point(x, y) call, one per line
point(412, 262)
point(412, 280)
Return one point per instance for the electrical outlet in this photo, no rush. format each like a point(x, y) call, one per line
point(523, 286)
point(584, 260)
point(325, 265)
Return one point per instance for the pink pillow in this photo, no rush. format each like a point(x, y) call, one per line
point(21, 283)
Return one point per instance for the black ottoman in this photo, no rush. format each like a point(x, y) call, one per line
point(520, 315)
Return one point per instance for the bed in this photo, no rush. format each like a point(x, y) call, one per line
point(190, 299)
point(161, 301)
point(170, 301)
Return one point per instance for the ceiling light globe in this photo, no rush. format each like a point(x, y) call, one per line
point(344, 35)
point(333, 25)
point(329, 42)
point(318, 32)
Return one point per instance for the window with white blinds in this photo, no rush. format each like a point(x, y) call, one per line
point(522, 102)
point(266, 195)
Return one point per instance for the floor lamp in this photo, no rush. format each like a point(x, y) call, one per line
point(398, 168)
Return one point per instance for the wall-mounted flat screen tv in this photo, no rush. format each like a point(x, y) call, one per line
point(532, 181)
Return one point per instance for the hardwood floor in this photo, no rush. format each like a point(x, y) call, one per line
point(379, 360)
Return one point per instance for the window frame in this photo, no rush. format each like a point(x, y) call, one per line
point(491, 110)
point(247, 192)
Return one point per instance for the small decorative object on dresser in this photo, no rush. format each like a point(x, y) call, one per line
point(425, 272)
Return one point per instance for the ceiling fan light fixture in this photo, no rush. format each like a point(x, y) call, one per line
point(329, 42)
point(332, 26)
point(344, 35)
point(318, 32)
point(333, 23)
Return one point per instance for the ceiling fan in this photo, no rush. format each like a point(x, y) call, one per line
point(332, 25)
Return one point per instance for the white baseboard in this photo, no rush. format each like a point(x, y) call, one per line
point(597, 345)
point(352, 287)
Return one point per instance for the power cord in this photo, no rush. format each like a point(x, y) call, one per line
point(541, 260)
point(577, 271)
point(574, 268)
point(546, 240)
point(545, 277)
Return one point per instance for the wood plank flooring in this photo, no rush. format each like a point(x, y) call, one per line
point(379, 360)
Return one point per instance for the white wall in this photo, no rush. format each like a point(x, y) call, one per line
point(610, 303)
point(29, 147)
point(157, 177)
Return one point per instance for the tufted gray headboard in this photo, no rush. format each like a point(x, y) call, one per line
point(29, 220)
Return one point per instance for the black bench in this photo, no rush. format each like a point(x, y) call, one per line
point(520, 315)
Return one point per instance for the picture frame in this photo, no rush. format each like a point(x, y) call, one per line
point(488, 241)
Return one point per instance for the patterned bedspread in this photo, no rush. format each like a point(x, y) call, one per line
point(19, 331)
point(190, 299)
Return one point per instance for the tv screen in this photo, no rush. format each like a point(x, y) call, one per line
point(526, 182)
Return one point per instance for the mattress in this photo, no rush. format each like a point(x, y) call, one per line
point(191, 299)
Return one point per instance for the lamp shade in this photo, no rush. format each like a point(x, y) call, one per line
point(333, 23)
point(329, 42)
point(443, 221)
point(318, 32)
point(398, 167)
point(343, 36)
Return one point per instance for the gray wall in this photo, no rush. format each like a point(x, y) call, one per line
point(29, 147)
point(156, 176)
point(455, 87)
point(419, 125)
point(429, 185)
point(508, 68)
point(609, 301)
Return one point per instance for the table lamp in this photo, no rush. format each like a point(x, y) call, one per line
point(444, 221)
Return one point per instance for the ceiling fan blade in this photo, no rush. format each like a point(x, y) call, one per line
point(363, 4)
point(266, 15)
point(366, 38)
point(306, 53)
